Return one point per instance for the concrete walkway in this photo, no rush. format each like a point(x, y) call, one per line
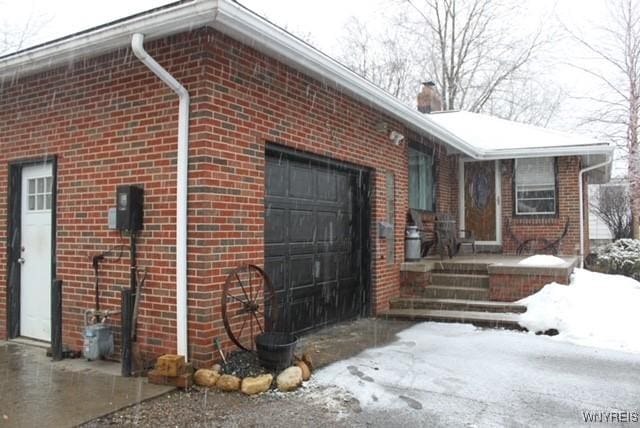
point(34, 391)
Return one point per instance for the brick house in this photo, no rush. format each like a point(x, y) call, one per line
point(275, 145)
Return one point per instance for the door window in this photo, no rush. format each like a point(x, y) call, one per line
point(39, 193)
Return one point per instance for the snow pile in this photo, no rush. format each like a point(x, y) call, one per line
point(542, 260)
point(596, 310)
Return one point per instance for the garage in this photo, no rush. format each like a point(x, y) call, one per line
point(317, 220)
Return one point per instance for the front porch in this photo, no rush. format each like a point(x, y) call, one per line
point(480, 289)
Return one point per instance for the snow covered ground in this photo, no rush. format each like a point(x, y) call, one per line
point(595, 310)
point(458, 375)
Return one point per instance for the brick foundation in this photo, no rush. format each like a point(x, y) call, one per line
point(513, 287)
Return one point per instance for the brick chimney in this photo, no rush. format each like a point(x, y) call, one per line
point(428, 99)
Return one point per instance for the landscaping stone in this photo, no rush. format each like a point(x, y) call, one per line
point(306, 373)
point(216, 368)
point(170, 365)
point(306, 358)
point(256, 385)
point(206, 377)
point(289, 379)
point(228, 383)
point(242, 364)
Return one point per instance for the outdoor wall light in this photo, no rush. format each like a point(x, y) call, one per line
point(396, 137)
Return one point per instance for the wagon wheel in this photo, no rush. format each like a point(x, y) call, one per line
point(248, 305)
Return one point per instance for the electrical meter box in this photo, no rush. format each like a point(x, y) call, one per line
point(129, 204)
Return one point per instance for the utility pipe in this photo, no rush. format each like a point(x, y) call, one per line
point(580, 192)
point(181, 188)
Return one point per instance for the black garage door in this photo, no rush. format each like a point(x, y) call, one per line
point(316, 229)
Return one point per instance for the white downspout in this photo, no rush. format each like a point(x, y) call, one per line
point(580, 192)
point(181, 188)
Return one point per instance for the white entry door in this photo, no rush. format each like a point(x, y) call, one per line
point(35, 257)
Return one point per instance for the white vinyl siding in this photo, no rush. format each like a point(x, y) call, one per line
point(535, 184)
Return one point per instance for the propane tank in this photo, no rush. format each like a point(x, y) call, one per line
point(412, 244)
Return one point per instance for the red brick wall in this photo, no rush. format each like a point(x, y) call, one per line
point(551, 228)
point(510, 287)
point(110, 121)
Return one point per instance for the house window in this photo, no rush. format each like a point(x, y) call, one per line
point(535, 186)
point(39, 194)
point(422, 189)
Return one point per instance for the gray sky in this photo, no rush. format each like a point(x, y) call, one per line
point(321, 22)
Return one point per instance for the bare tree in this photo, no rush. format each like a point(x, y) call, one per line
point(613, 205)
point(617, 45)
point(387, 60)
point(15, 35)
point(468, 47)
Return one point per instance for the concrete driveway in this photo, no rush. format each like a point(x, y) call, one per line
point(458, 375)
point(386, 374)
point(34, 391)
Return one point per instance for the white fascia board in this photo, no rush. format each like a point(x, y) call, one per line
point(602, 149)
point(238, 22)
point(242, 24)
point(161, 23)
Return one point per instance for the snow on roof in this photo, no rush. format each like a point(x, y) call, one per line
point(476, 136)
point(492, 134)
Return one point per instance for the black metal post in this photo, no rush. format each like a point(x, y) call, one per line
point(133, 264)
point(56, 319)
point(127, 310)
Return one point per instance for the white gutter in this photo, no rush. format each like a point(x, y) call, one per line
point(236, 21)
point(107, 38)
point(181, 188)
point(581, 203)
point(535, 152)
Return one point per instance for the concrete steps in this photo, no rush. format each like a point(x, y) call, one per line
point(451, 292)
point(458, 292)
point(460, 280)
point(481, 319)
point(456, 305)
point(464, 268)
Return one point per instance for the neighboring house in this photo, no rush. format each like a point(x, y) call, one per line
point(289, 153)
point(599, 232)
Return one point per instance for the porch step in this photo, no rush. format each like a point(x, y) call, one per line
point(460, 280)
point(482, 319)
point(456, 305)
point(464, 268)
point(453, 292)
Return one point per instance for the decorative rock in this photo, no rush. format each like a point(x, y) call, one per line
point(206, 377)
point(256, 385)
point(216, 368)
point(306, 358)
point(228, 383)
point(306, 373)
point(289, 379)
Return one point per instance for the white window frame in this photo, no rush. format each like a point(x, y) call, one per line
point(549, 185)
point(39, 199)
